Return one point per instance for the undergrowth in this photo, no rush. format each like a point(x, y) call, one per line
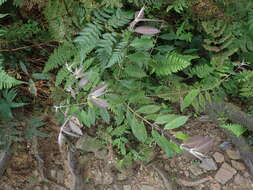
point(119, 82)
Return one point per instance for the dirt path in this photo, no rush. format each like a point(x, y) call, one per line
point(181, 172)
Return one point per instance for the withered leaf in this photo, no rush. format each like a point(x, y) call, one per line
point(75, 128)
point(101, 103)
point(67, 130)
point(98, 91)
point(202, 144)
point(147, 30)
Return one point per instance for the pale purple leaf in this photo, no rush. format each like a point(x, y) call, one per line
point(67, 130)
point(75, 128)
point(147, 30)
point(83, 81)
point(201, 144)
point(101, 103)
point(98, 91)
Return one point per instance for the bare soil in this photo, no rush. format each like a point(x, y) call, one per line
point(181, 172)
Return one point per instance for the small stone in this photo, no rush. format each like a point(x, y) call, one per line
point(127, 187)
point(147, 187)
point(195, 170)
point(215, 186)
point(36, 173)
point(246, 174)
point(225, 173)
point(239, 180)
point(233, 154)
point(186, 173)
point(53, 173)
point(121, 177)
point(219, 158)
point(208, 164)
point(238, 165)
point(60, 176)
point(108, 179)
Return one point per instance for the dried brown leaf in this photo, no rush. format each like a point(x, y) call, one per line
point(201, 144)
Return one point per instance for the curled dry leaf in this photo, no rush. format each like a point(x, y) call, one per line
point(75, 128)
point(200, 143)
point(98, 91)
point(147, 30)
point(101, 103)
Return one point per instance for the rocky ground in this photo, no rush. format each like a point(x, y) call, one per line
point(182, 172)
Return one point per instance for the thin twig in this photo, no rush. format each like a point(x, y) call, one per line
point(25, 47)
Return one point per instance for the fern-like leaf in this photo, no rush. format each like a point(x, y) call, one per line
point(7, 81)
point(120, 18)
point(61, 55)
point(88, 38)
point(201, 71)
point(61, 76)
point(60, 24)
point(172, 63)
point(117, 55)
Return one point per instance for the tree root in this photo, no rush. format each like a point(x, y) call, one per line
point(164, 177)
point(193, 183)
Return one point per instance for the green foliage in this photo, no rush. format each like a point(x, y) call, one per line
point(178, 5)
point(138, 128)
point(220, 41)
point(169, 147)
point(171, 121)
point(21, 31)
point(189, 98)
point(6, 81)
point(117, 83)
point(140, 3)
point(60, 56)
point(236, 129)
point(59, 20)
point(7, 103)
point(171, 63)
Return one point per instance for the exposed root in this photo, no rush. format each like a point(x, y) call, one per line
point(193, 183)
point(164, 177)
